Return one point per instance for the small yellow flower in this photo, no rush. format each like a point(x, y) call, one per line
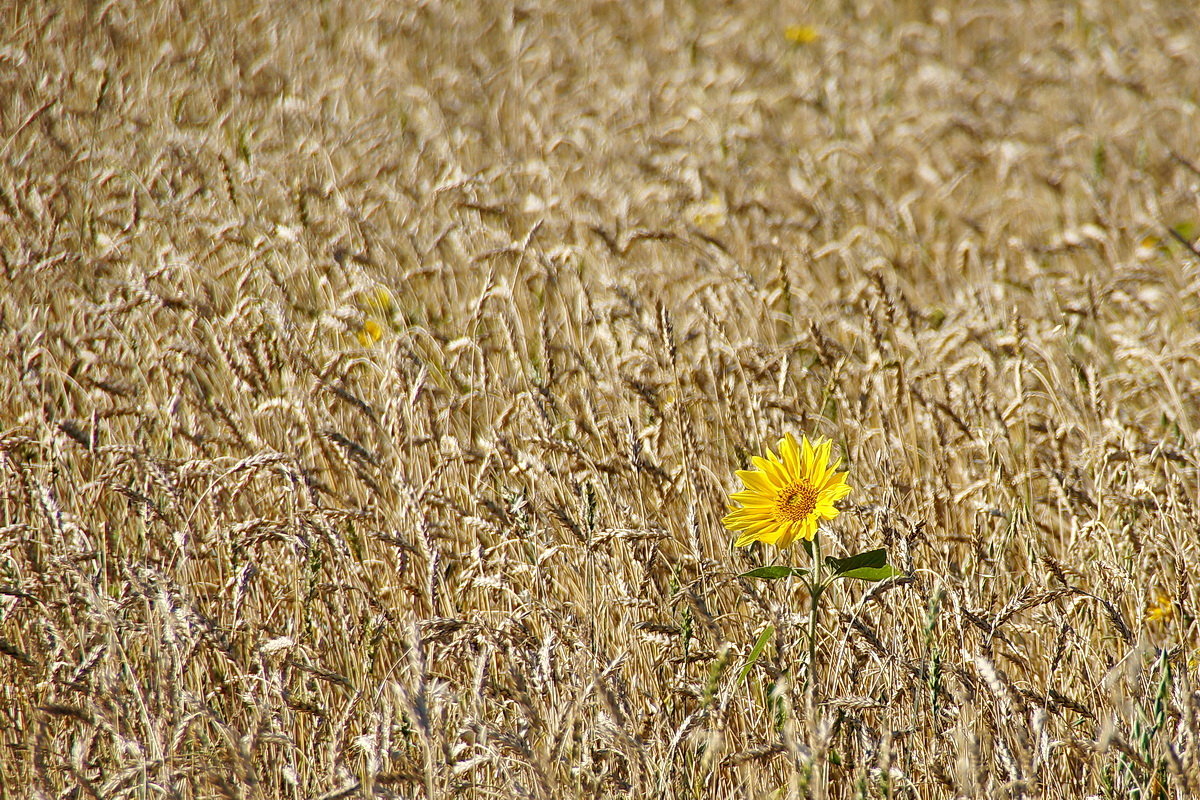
point(787, 494)
point(380, 301)
point(1162, 611)
point(801, 34)
point(369, 333)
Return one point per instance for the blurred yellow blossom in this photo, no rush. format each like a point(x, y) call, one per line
point(369, 333)
point(377, 308)
point(1162, 610)
point(801, 34)
point(379, 300)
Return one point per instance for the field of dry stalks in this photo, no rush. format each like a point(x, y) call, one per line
point(373, 376)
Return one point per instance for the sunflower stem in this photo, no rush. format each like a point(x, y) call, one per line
point(816, 586)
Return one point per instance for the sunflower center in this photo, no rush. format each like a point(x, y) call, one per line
point(795, 502)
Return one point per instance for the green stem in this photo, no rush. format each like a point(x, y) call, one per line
point(815, 587)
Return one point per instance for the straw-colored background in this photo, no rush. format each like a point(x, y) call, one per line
point(373, 376)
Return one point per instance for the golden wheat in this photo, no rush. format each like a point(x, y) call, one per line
point(264, 533)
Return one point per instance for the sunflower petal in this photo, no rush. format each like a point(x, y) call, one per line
point(810, 527)
point(772, 471)
point(744, 516)
point(745, 540)
point(787, 536)
point(831, 477)
point(789, 451)
point(821, 455)
point(837, 491)
point(826, 511)
point(806, 457)
point(772, 536)
point(755, 479)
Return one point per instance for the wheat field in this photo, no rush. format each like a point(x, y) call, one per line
point(373, 376)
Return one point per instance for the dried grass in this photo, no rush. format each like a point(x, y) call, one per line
point(248, 549)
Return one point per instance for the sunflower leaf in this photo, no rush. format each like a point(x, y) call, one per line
point(871, 573)
point(773, 573)
point(871, 558)
point(869, 566)
point(756, 651)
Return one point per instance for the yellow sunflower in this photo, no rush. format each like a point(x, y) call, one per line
point(787, 494)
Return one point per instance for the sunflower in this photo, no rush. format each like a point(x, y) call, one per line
point(787, 494)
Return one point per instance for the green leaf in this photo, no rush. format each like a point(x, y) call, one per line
point(869, 566)
point(756, 651)
point(871, 573)
point(773, 573)
point(871, 558)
